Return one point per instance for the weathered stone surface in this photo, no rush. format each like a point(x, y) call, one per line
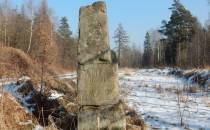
point(98, 91)
point(98, 84)
point(102, 118)
point(93, 34)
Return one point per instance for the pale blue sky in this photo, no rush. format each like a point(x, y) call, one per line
point(137, 16)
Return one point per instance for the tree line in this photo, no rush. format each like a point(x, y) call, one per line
point(35, 31)
point(180, 42)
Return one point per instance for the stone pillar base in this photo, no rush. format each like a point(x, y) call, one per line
point(109, 117)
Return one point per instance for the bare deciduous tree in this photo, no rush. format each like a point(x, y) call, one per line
point(121, 39)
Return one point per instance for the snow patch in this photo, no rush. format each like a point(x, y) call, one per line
point(26, 123)
point(152, 93)
point(55, 94)
point(13, 88)
point(72, 75)
point(38, 127)
point(24, 78)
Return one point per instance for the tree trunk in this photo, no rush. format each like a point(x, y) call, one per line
point(31, 28)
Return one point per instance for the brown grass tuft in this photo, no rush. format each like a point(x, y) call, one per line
point(133, 121)
point(13, 115)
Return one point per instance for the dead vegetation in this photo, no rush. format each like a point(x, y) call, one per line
point(13, 115)
point(128, 71)
point(45, 111)
point(133, 121)
point(14, 64)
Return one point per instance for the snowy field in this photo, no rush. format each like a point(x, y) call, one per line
point(153, 94)
point(156, 96)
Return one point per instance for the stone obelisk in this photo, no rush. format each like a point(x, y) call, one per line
point(98, 88)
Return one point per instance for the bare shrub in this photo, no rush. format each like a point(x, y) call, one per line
point(133, 120)
point(192, 89)
point(158, 89)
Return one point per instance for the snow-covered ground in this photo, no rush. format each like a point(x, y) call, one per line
point(13, 89)
point(24, 98)
point(55, 95)
point(153, 94)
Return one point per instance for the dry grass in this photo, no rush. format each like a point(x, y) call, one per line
point(189, 73)
point(58, 69)
point(207, 67)
point(208, 105)
point(13, 116)
point(51, 127)
point(184, 99)
point(206, 100)
point(133, 121)
point(158, 89)
point(14, 63)
point(127, 71)
point(193, 89)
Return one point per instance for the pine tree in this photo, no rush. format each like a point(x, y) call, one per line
point(179, 31)
point(66, 44)
point(64, 29)
point(121, 39)
point(147, 51)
